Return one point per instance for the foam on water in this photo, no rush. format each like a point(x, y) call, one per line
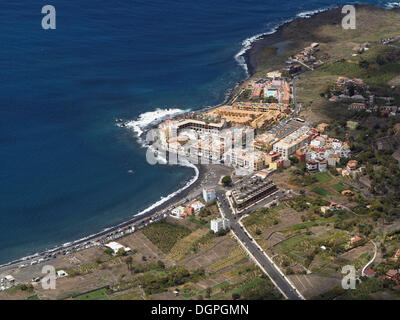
point(392, 5)
point(246, 45)
point(310, 13)
point(150, 118)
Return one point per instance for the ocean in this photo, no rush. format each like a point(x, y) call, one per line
point(65, 165)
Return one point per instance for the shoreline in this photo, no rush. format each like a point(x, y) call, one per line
point(273, 38)
point(282, 39)
point(140, 217)
point(249, 53)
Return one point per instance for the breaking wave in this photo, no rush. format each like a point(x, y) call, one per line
point(392, 5)
point(310, 13)
point(151, 118)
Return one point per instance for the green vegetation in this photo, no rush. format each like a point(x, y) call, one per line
point(257, 289)
point(339, 187)
point(377, 195)
point(331, 294)
point(21, 287)
point(205, 212)
point(321, 191)
point(190, 243)
point(121, 252)
point(262, 218)
point(227, 181)
point(304, 247)
point(164, 235)
point(200, 222)
point(142, 268)
point(207, 238)
point(300, 226)
point(171, 277)
point(363, 291)
point(377, 67)
point(301, 203)
point(109, 251)
point(300, 176)
point(293, 160)
point(323, 176)
point(236, 256)
point(296, 249)
point(301, 244)
point(100, 294)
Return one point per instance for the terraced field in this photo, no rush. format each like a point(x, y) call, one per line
point(180, 250)
point(323, 176)
point(236, 255)
point(165, 235)
point(321, 191)
point(339, 187)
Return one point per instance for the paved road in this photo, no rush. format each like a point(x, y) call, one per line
point(372, 260)
point(271, 270)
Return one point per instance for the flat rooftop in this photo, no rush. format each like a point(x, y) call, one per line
point(249, 187)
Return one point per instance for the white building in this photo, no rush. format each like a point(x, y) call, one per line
point(219, 224)
point(178, 212)
point(198, 126)
point(208, 195)
point(336, 144)
point(253, 160)
point(61, 274)
point(333, 160)
point(323, 166)
point(10, 279)
point(312, 165)
point(344, 153)
point(318, 142)
point(197, 206)
point(115, 246)
point(294, 141)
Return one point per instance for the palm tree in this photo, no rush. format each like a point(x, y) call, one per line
point(208, 292)
point(128, 262)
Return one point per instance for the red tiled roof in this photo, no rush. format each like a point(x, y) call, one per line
point(391, 273)
point(356, 239)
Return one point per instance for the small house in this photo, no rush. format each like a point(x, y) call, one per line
point(369, 273)
point(347, 193)
point(61, 274)
point(392, 275)
point(355, 239)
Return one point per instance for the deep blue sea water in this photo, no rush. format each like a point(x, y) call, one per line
point(64, 164)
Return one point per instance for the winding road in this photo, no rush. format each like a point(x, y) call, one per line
point(369, 262)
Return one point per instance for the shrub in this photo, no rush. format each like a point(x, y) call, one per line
point(235, 296)
point(227, 180)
